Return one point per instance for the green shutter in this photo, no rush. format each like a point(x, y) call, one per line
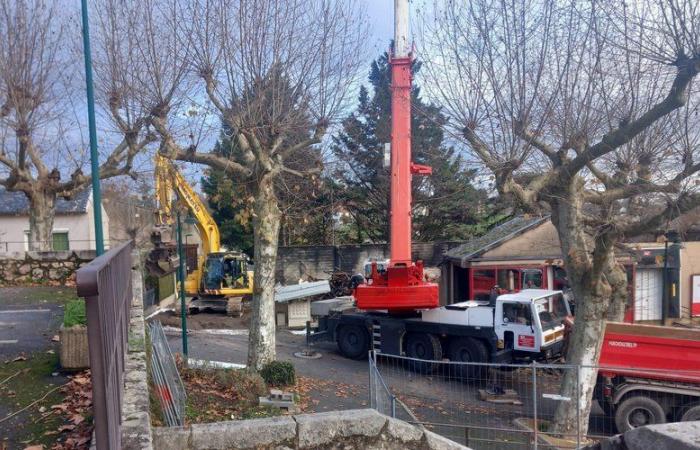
point(60, 242)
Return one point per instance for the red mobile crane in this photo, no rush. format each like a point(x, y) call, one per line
point(402, 287)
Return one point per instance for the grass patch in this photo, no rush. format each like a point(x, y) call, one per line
point(74, 313)
point(31, 379)
point(215, 395)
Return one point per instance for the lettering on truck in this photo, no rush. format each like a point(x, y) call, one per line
point(526, 341)
point(622, 344)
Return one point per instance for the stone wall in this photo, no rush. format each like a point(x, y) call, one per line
point(668, 436)
point(51, 268)
point(136, 416)
point(347, 430)
point(295, 263)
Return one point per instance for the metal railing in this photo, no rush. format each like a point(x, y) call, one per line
point(167, 383)
point(105, 283)
point(513, 406)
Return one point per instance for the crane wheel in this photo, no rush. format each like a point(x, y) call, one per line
point(353, 341)
point(638, 411)
point(469, 350)
point(691, 413)
point(423, 347)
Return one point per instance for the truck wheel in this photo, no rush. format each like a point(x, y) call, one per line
point(353, 341)
point(691, 413)
point(637, 411)
point(424, 347)
point(469, 350)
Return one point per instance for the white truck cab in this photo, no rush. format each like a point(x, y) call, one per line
point(530, 321)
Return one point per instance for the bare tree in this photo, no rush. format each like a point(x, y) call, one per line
point(38, 115)
point(584, 113)
point(277, 72)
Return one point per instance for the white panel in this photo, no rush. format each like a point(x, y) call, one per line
point(648, 296)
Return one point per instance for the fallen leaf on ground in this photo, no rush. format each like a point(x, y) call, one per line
point(55, 338)
point(20, 358)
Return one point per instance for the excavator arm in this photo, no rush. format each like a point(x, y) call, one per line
point(169, 180)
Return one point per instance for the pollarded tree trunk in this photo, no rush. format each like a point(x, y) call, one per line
point(266, 227)
point(586, 269)
point(42, 210)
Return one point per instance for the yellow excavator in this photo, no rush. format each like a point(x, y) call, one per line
point(221, 278)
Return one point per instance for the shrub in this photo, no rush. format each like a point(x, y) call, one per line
point(74, 313)
point(278, 373)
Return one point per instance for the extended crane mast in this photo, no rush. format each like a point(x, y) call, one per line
point(402, 287)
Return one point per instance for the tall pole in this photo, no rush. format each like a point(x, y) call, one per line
point(181, 272)
point(94, 162)
point(400, 219)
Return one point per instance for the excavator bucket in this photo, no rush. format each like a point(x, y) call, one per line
point(163, 259)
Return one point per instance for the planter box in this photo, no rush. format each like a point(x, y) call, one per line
point(74, 353)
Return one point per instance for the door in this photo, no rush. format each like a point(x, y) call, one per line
point(648, 300)
point(517, 322)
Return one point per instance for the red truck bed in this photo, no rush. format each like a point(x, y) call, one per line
point(670, 354)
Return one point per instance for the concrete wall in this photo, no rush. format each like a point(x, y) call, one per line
point(295, 263)
point(539, 242)
point(80, 228)
point(348, 430)
point(53, 268)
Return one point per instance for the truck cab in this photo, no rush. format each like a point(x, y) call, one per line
point(531, 321)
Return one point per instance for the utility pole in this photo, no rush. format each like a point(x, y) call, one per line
point(181, 273)
point(94, 158)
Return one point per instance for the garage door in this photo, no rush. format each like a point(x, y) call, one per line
point(648, 288)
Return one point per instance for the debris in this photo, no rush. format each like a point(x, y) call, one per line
point(42, 409)
point(281, 400)
point(20, 358)
point(509, 396)
point(34, 447)
point(55, 338)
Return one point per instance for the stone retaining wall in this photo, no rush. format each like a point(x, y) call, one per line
point(51, 268)
point(136, 417)
point(347, 430)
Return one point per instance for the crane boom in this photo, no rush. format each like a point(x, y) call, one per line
point(402, 287)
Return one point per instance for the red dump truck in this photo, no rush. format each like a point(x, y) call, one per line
point(649, 374)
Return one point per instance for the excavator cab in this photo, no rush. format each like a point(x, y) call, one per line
point(227, 270)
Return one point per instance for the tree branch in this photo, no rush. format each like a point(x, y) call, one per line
point(683, 204)
point(676, 97)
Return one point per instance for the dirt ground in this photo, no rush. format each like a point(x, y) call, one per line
point(204, 321)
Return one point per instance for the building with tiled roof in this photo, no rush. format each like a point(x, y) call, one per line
point(73, 229)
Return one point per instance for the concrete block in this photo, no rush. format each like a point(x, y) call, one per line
point(437, 442)
point(403, 431)
point(316, 430)
point(171, 438)
point(669, 436)
point(243, 434)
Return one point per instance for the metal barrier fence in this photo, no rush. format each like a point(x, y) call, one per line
point(167, 383)
point(105, 283)
point(494, 406)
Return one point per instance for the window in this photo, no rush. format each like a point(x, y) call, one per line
point(552, 311)
point(60, 241)
point(509, 279)
point(517, 313)
point(532, 278)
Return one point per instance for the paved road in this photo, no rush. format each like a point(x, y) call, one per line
point(341, 383)
point(29, 318)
